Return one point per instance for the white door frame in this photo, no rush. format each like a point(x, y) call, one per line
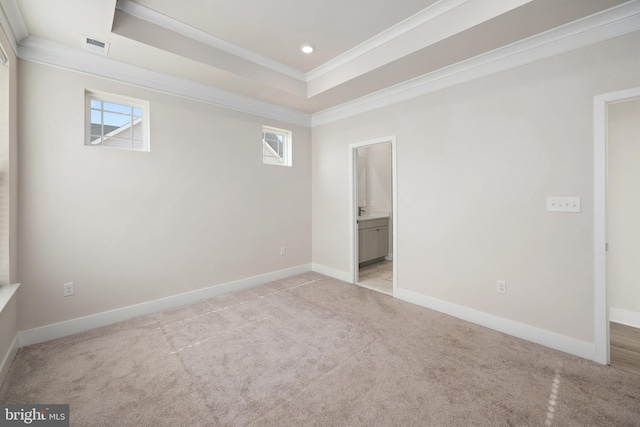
point(353, 196)
point(601, 328)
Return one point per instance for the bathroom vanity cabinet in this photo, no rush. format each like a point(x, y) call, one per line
point(373, 239)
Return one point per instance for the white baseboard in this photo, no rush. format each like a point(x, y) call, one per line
point(389, 256)
point(626, 317)
point(8, 358)
point(73, 326)
point(332, 272)
point(543, 337)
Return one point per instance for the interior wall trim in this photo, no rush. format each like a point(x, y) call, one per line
point(345, 276)
point(603, 26)
point(423, 17)
point(6, 293)
point(12, 22)
point(86, 323)
point(149, 15)
point(420, 18)
point(608, 24)
point(353, 229)
point(600, 299)
point(583, 349)
point(8, 359)
point(625, 317)
point(44, 51)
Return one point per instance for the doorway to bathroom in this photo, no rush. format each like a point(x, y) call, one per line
point(623, 233)
point(617, 314)
point(374, 214)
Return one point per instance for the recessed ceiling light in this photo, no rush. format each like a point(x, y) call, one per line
point(307, 48)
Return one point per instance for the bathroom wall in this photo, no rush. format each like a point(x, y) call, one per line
point(379, 184)
point(379, 180)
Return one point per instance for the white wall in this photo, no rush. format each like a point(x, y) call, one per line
point(127, 227)
point(475, 165)
point(374, 176)
point(379, 181)
point(623, 211)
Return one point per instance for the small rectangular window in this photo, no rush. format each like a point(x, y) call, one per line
point(276, 146)
point(117, 122)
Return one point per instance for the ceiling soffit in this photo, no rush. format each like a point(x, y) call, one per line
point(431, 26)
point(480, 39)
point(164, 39)
point(376, 72)
point(275, 29)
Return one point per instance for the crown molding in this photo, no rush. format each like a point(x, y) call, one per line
point(602, 26)
point(435, 10)
point(611, 23)
point(12, 22)
point(44, 51)
point(149, 15)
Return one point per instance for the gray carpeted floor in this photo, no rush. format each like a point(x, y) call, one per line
point(311, 350)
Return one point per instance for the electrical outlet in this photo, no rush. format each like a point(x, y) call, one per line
point(67, 289)
point(283, 251)
point(502, 287)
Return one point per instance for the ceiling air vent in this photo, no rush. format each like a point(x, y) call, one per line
point(95, 45)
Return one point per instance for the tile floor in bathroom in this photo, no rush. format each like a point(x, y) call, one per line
point(378, 277)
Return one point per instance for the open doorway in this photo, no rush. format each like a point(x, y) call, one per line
point(623, 233)
point(373, 203)
point(608, 294)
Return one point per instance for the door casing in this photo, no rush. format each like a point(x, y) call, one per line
point(601, 304)
point(353, 197)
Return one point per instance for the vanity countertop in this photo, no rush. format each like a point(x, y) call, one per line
point(374, 215)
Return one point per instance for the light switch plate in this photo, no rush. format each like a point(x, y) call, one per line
point(563, 204)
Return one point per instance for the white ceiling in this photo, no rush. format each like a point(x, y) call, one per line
point(251, 47)
point(276, 29)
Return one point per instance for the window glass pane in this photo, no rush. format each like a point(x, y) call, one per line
point(275, 141)
point(113, 124)
point(96, 117)
point(117, 108)
point(118, 120)
point(272, 137)
point(276, 146)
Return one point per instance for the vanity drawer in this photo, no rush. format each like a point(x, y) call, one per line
point(372, 223)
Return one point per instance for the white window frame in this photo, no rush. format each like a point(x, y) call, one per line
point(5, 180)
point(121, 100)
point(271, 156)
